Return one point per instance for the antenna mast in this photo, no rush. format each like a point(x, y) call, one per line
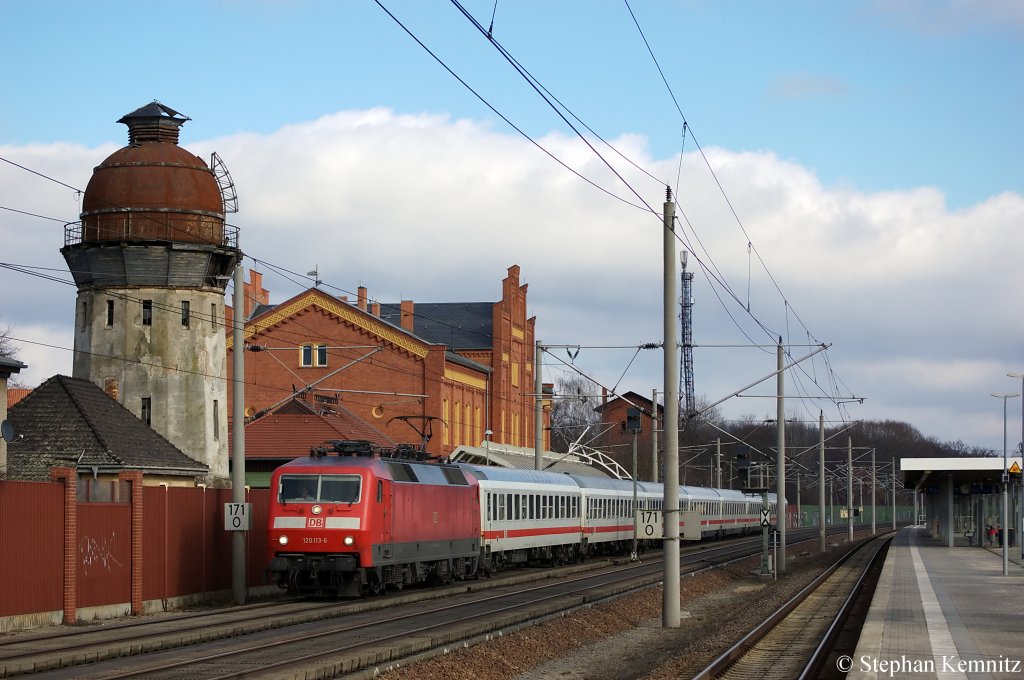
point(686, 376)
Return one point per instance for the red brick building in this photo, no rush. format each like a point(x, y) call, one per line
point(437, 373)
point(617, 440)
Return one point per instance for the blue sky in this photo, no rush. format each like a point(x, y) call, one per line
point(871, 151)
point(864, 94)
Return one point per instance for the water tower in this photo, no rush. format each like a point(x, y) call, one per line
point(151, 257)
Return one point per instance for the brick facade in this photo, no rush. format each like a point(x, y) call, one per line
point(617, 441)
point(69, 477)
point(391, 377)
point(134, 477)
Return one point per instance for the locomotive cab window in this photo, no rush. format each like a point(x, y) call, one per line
point(320, 489)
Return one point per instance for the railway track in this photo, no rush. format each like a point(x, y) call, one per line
point(796, 640)
point(100, 651)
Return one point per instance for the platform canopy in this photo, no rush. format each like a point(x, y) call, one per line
point(921, 473)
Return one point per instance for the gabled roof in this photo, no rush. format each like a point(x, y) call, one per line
point(72, 422)
point(296, 427)
point(267, 317)
point(638, 399)
point(459, 325)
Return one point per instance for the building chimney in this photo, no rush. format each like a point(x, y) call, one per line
point(375, 309)
point(255, 293)
point(110, 386)
point(362, 297)
point(407, 315)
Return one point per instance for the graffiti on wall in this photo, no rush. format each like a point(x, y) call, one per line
point(98, 553)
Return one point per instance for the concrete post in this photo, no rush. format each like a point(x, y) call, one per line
point(670, 605)
point(873, 525)
point(821, 481)
point(654, 435)
point(849, 488)
point(238, 563)
point(780, 491)
point(538, 410)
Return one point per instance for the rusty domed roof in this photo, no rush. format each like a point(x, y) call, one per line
point(153, 188)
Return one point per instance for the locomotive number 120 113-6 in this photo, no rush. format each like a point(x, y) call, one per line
point(314, 539)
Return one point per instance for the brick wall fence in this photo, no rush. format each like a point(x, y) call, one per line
point(68, 558)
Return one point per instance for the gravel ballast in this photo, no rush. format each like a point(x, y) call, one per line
point(623, 638)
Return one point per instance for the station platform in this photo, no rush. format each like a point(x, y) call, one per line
point(941, 612)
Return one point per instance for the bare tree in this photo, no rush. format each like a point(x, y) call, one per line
point(574, 410)
point(9, 349)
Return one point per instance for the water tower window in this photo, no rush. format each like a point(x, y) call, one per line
point(147, 312)
point(321, 355)
point(306, 356)
point(147, 410)
point(110, 313)
point(216, 419)
point(85, 315)
point(185, 313)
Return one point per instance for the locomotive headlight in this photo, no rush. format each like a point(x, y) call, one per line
point(349, 540)
point(283, 540)
point(316, 509)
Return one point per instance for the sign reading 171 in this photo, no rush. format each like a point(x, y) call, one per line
point(649, 524)
point(237, 516)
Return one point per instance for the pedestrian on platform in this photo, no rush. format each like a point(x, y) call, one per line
point(991, 534)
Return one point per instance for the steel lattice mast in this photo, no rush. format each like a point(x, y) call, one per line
point(686, 378)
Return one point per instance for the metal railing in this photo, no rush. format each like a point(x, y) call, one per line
point(154, 226)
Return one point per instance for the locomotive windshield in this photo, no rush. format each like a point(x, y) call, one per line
point(319, 489)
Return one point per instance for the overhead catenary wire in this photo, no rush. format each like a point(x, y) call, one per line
point(720, 279)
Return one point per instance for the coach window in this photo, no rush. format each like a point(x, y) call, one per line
point(508, 506)
point(515, 505)
point(525, 505)
point(488, 506)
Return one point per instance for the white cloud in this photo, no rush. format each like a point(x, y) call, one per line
point(435, 209)
point(953, 17)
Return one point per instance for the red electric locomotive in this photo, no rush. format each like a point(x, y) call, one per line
point(354, 523)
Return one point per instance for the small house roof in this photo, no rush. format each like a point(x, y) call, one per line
point(72, 422)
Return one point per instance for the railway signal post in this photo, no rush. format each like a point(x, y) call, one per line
point(633, 425)
point(766, 527)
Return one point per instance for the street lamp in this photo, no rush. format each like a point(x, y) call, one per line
point(1015, 374)
point(1004, 534)
point(1020, 526)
